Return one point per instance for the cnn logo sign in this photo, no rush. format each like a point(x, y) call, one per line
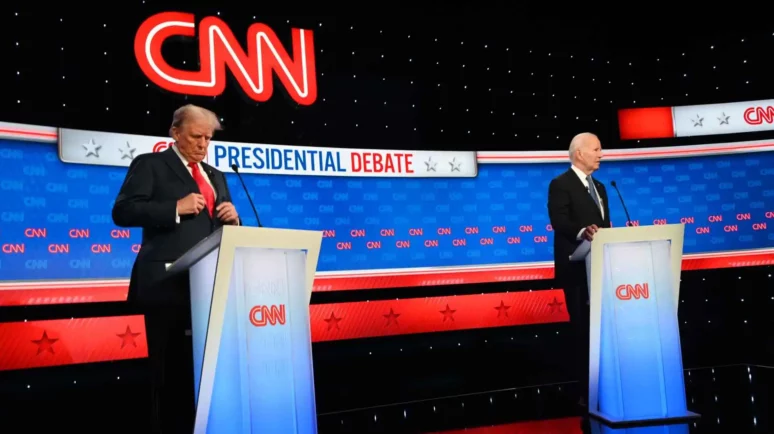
point(262, 315)
point(636, 291)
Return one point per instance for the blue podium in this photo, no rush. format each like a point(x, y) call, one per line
point(252, 346)
point(635, 360)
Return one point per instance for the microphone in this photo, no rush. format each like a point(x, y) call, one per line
point(235, 168)
point(628, 219)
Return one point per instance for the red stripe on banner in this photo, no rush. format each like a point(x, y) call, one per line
point(714, 261)
point(646, 123)
point(407, 278)
point(29, 293)
point(15, 133)
point(32, 295)
point(568, 425)
point(517, 157)
point(35, 344)
point(46, 343)
point(365, 319)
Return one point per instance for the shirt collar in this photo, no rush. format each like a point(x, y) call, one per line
point(583, 177)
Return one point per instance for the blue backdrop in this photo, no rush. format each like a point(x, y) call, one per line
point(58, 214)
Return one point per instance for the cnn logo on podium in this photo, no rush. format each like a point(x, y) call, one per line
point(261, 315)
point(636, 291)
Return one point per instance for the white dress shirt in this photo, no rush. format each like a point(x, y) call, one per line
point(582, 177)
point(190, 171)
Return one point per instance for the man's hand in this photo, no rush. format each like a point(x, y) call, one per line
point(191, 204)
point(588, 234)
point(227, 213)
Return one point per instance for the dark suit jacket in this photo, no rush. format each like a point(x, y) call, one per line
point(571, 208)
point(148, 200)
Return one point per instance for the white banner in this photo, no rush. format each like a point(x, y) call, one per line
point(115, 149)
point(728, 118)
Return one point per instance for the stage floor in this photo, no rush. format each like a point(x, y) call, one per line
point(731, 399)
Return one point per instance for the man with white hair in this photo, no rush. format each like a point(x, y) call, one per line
point(178, 200)
point(578, 208)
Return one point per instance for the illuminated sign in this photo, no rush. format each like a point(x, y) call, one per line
point(114, 149)
point(219, 50)
point(756, 115)
point(262, 315)
point(626, 292)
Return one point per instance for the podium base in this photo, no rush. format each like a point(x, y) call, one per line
point(614, 422)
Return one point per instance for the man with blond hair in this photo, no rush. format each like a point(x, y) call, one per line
point(178, 200)
point(578, 208)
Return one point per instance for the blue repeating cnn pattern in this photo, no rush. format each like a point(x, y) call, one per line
point(56, 221)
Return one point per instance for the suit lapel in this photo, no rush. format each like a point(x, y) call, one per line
point(579, 185)
point(177, 166)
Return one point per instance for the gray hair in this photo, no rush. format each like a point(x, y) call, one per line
point(189, 112)
point(577, 142)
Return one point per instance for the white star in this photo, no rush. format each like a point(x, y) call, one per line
point(128, 152)
point(723, 118)
point(698, 121)
point(455, 165)
point(430, 164)
point(92, 148)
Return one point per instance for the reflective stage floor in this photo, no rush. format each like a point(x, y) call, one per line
point(731, 400)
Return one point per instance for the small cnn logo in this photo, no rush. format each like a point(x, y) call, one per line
point(162, 146)
point(262, 315)
point(626, 292)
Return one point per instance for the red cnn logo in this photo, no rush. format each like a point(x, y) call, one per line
point(162, 146)
point(219, 49)
point(626, 292)
point(757, 115)
point(261, 315)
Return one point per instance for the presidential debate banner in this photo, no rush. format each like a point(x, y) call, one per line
point(113, 149)
point(390, 218)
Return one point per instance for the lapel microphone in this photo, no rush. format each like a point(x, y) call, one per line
point(235, 168)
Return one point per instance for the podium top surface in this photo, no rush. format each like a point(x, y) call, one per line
point(639, 233)
point(247, 236)
point(629, 234)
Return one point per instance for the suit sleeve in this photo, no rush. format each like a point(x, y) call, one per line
point(135, 207)
point(559, 201)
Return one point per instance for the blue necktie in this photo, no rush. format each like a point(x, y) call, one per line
point(593, 192)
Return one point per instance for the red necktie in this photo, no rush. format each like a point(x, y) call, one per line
point(204, 188)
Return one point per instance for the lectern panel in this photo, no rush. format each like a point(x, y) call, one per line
point(202, 277)
point(270, 279)
point(264, 381)
point(640, 367)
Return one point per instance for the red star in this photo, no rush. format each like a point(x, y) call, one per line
point(45, 344)
point(502, 309)
point(128, 337)
point(392, 317)
point(448, 313)
point(333, 321)
point(555, 305)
